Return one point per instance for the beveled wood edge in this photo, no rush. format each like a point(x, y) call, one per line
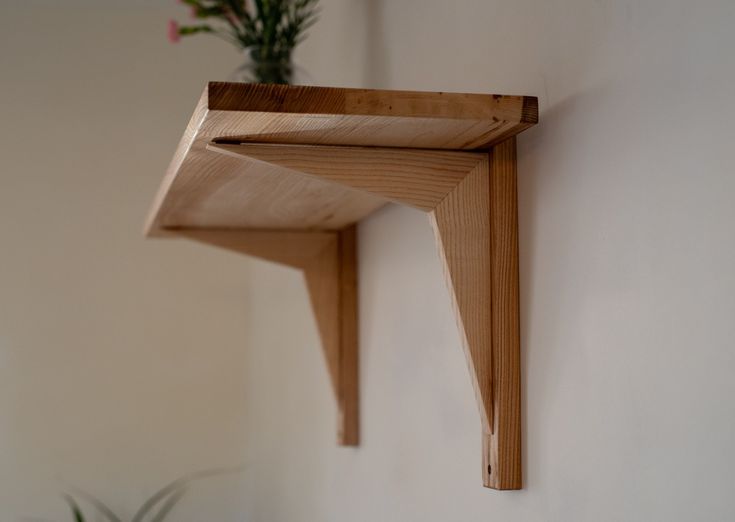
point(152, 227)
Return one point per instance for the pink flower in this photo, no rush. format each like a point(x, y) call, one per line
point(173, 31)
point(232, 17)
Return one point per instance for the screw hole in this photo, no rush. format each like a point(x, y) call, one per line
point(489, 470)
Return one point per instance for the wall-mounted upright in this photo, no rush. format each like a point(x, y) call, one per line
point(285, 173)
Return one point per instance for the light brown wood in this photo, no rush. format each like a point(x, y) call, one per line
point(462, 229)
point(349, 388)
point(200, 190)
point(504, 457)
point(477, 232)
point(322, 274)
point(284, 173)
point(219, 191)
point(418, 178)
point(295, 249)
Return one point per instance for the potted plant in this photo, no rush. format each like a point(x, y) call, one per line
point(267, 31)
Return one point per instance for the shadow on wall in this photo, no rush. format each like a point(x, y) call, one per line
point(545, 172)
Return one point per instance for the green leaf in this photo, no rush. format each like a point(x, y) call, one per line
point(158, 496)
point(173, 487)
point(76, 511)
point(171, 501)
point(98, 505)
point(194, 29)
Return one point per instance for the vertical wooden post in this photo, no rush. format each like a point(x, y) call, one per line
point(331, 278)
point(502, 467)
point(348, 393)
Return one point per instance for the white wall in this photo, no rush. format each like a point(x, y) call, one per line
point(124, 363)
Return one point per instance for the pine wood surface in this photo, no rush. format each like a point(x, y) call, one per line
point(462, 228)
point(505, 442)
point(419, 178)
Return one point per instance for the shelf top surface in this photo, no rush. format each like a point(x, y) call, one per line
point(204, 189)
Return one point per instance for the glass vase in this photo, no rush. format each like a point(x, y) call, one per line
point(263, 66)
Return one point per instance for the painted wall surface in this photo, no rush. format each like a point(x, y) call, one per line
point(125, 363)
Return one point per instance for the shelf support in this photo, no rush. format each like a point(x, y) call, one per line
point(503, 469)
point(462, 228)
point(328, 261)
point(476, 227)
point(471, 200)
point(331, 278)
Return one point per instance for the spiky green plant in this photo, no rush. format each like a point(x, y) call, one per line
point(158, 505)
point(268, 29)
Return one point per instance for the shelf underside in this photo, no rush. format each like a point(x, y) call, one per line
point(207, 187)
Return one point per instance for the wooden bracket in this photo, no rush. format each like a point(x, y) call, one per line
point(286, 172)
point(471, 199)
point(476, 227)
point(329, 264)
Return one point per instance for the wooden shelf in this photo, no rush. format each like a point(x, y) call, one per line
point(285, 173)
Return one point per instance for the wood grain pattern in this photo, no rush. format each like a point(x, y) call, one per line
point(349, 387)
point(323, 282)
point(298, 99)
point(462, 229)
point(331, 278)
point(415, 177)
point(218, 191)
point(477, 232)
point(198, 185)
point(153, 225)
point(504, 444)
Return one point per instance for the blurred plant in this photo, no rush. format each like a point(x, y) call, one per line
point(162, 501)
point(267, 29)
